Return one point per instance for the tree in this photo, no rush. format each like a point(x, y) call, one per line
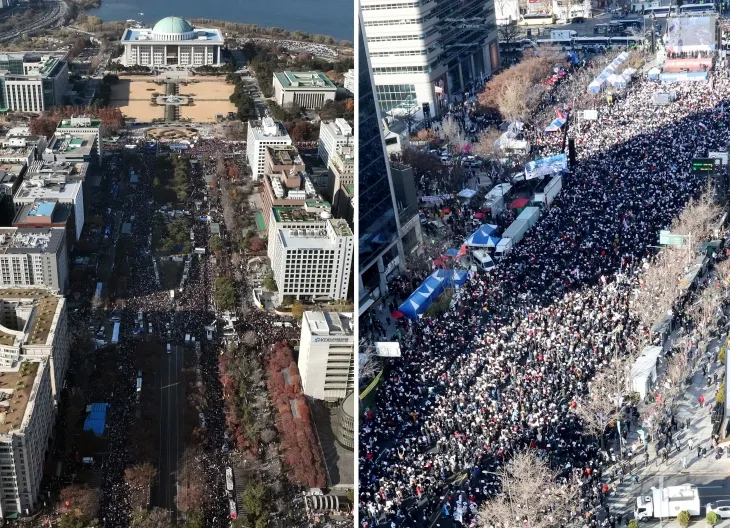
point(139, 478)
point(712, 518)
point(69, 521)
point(216, 246)
point(154, 518)
point(517, 91)
point(508, 33)
point(602, 404)
point(518, 504)
point(297, 310)
point(80, 501)
point(192, 482)
point(270, 283)
point(485, 146)
point(683, 518)
point(224, 293)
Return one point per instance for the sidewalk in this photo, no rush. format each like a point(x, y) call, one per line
point(699, 431)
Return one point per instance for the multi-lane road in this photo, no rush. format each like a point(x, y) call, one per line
point(53, 16)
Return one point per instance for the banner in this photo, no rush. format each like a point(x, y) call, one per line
point(436, 198)
point(545, 166)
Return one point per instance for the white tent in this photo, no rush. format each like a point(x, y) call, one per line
point(643, 373)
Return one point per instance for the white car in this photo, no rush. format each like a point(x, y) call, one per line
point(721, 508)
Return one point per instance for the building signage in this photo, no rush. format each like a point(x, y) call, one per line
point(333, 340)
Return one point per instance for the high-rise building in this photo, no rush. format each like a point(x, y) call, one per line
point(331, 135)
point(327, 355)
point(262, 134)
point(311, 255)
point(41, 189)
point(32, 83)
point(33, 257)
point(388, 226)
point(428, 53)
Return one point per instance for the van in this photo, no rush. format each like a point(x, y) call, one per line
point(169, 348)
point(140, 315)
point(187, 338)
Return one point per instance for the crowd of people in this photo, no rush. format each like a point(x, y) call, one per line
point(498, 371)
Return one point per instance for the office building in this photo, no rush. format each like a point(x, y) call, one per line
point(285, 182)
point(331, 135)
point(349, 80)
point(327, 355)
point(172, 42)
point(387, 230)
point(309, 90)
point(262, 134)
point(41, 190)
point(31, 83)
point(72, 148)
point(47, 214)
point(33, 257)
point(21, 138)
point(341, 182)
point(27, 418)
point(84, 126)
point(311, 256)
point(345, 432)
point(425, 55)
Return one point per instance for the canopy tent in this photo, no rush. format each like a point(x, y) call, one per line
point(482, 237)
point(617, 81)
point(600, 82)
point(643, 373)
point(467, 193)
point(452, 252)
point(653, 73)
point(96, 418)
point(430, 290)
point(556, 125)
point(519, 203)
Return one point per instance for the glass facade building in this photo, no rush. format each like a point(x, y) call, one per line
point(377, 214)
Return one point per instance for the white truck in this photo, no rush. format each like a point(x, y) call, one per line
point(549, 190)
point(562, 34)
point(666, 502)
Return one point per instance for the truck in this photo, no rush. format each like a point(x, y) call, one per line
point(550, 189)
point(666, 502)
point(504, 246)
point(562, 34)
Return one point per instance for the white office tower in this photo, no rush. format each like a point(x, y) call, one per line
point(428, 53)
point(312, 259)
point(331, 135)
point(327, 355)
point(262, 134)
point(33, 257)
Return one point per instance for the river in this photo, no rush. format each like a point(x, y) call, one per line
point(327, 17)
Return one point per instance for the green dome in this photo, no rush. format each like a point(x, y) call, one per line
point(172, 25)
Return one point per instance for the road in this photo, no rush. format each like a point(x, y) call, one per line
point(53, 17)
point(172, 405)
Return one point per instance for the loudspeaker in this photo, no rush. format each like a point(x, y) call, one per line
point(571, 151)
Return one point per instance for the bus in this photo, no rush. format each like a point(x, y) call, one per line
point(536, 20)
point(564, 44)
point(697, 9)
point(593, 43)
point(629, 42)
point(601, 29)
point(629, 23)
point(661, 11)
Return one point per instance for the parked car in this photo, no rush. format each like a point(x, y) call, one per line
point(721, 508)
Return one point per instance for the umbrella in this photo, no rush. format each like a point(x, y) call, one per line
point(397, 315)
point(452, 252)
point(479, 216)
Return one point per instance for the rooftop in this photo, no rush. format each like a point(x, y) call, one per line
point(19, 152)
point(32, 190)
point(76, 144)
point(267, 128)
point(43, 304)
point(173, 29)
point(58, 169)
point(329, 323)
point(32, 213)
point(42, 66)
point(296, 214)
point(16, 388)
point(30, 240)
point(285, 155)
point(309, 80)
point(340, 227)
point(339, 128)
point(303, 238)
point(10, 172)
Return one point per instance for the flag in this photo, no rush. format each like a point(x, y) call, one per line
point(462, 252)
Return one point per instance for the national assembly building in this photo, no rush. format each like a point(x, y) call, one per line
point(172, 42)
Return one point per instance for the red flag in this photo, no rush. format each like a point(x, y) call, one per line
point(461, 252)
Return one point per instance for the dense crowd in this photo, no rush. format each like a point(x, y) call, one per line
point(497, 372)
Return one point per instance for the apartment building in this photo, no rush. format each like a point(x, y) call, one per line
point(262, 134)
point(34, 257)
point(332, 134)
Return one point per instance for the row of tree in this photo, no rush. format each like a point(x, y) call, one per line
point(45, 124)
point(298, 444)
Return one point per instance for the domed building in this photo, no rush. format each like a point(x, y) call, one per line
point(171, 43)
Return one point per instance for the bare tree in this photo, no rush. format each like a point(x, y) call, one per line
point(602, 404)
point(518, 505)
point(453, 134)
point(485, 147)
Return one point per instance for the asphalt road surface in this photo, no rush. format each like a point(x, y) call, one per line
point(172, 399)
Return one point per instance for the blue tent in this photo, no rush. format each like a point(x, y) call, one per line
point(556, 125)
point(453, 278)
point(430, 290)
point(96, 418)
point(452, 252)
point(482, 236)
